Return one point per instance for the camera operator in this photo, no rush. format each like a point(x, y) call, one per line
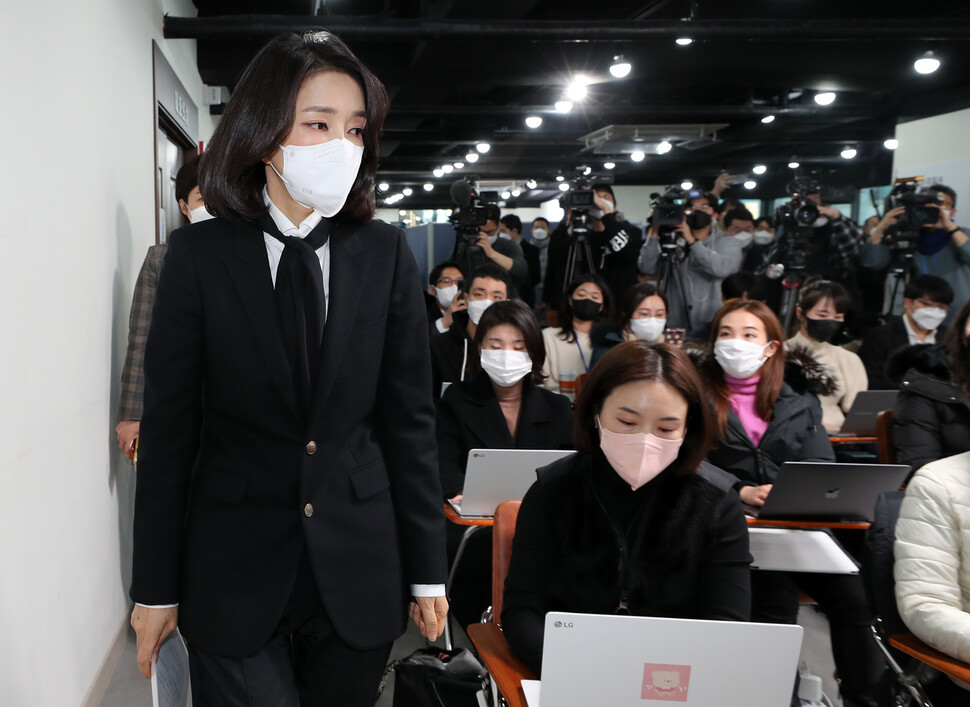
point(942, 248)
point(614, 243)
point(709, 256)
point(502, 251)
point(512, 228)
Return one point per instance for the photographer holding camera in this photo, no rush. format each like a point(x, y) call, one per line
point(502, 251)
point(942, 248)
point(707, 255)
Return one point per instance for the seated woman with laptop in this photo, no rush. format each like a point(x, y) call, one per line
point(762, 422)
point(627, 525)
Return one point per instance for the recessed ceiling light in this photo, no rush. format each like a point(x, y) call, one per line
point(533, 121)
point(402, 212)
point(564, 106)
point(759, 169)
point(506, 194)
point(684, 41)
point(891, 144)
point(768, 119)
point(471, 157)
point(459, 165)
point(559, 177)
point(438, 172)
point(621, 67)
point(826, 98)
point(516, 192)
point(429, 186)
point(664, 147)
point(750, 184)
point(532, 184)
point(575, 91)
point(447, 168)
point(564, 187)
point(609, 165)
point(848, 153)
point(637, 156)
point(407, 191)
point(483, 147)
point(793, 165)
point(383, 186)
point(926, 64)
point(588, 171)
point(687, 184)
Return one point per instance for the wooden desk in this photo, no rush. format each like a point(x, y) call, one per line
point(850, 440)
point(503, 665)
point(831, 525)
point(910, 644)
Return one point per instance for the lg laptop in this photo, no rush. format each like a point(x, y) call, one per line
point(861, 418)
point(496, 475)
point(827, 491)
point(634, 661)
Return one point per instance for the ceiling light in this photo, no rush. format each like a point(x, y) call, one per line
point(459, 165)
point(848, 153)
point(383, 186)
point(483, 147)
point(621, 67)
point(891, 144)
point(575, 91)
point(587, 171)
point(793, 165)
point(429, 186)
point(637, 156)
point(402, 212)
point(407, 191)
point(768, 119)
point(506, 194)
point(447, 168)
point(826, 98)
point(564, 187)
point(926, 64)
point(759, 169)
point(438, 172)
point(471, 157)
point(609, 165)
point(516, 192)
point(559, 177)
point(687, 184)
point(532, 184)
point(750, 184)
point(564, 106)
point(684, 41)
point(533, 121)
point(664, 147)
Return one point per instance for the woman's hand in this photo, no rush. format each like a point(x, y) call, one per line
point(429, 615)
point(755, 495)
point(152, 627)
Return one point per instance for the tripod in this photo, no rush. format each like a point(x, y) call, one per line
point(900, 272)
point(578, 248)
point(789, 301)
point(467, 254)
point(669, 271)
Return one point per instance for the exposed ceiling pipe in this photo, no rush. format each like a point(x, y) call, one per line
point(348, 27)
point(640, 111)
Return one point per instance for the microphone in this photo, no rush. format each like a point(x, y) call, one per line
point(462, 192)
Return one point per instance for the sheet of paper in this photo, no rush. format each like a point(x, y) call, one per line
point(791, 550)
point(531, 690)
point(170, 673)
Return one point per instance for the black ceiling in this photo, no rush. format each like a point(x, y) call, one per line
point(460, 72)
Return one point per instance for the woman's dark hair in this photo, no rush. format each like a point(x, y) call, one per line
point(634, 361)
point(958, 349)
point(187, 178)
point(516, 313)
point(765, 220)
point(568, 333)
point(260, 115)
point(635, 295)
point(815, 291)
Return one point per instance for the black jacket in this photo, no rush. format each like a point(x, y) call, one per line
point(235, 484)
point(877, 346)
point(469, 417)
point(931, 419)
point(454, 356)
point(527, 285)
point(795, 431)
point(584, 542)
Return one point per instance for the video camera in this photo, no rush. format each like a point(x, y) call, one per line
point(469, 214)
point(800, 211)
point(578, 201)
point(667, 212)
point(922, 204)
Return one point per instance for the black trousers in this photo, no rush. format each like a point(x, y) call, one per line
point(304, 663)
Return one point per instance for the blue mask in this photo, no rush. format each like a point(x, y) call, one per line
point(933, 242)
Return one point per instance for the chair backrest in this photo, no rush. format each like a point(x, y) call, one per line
point(877, 565)
point(552, 317)
point(502, 533)
point(885, 448)
point(580, 382)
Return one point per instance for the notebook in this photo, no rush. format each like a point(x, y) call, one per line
point(496, 475)
point(860, 421)
point(635, 661)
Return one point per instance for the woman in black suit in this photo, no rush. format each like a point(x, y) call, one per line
point(504, 406)
point(287, 503)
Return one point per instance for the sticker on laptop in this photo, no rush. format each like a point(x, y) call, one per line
point(665, 683)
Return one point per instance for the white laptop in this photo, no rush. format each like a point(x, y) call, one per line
point(797, 550)
point(636, 661)
point(496, 475)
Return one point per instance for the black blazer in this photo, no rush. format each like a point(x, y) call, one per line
point(469, 417)
point(233, 484)
point(877, 345)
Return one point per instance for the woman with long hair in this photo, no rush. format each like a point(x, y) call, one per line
point(569, 346)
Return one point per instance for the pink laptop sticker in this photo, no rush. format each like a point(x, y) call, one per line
point(665, 683)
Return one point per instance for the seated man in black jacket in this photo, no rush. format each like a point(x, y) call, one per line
point(925, 302)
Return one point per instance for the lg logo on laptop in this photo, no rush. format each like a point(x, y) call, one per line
point(832, 493)
point(561, 624)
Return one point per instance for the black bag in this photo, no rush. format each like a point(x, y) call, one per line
point(431, 677)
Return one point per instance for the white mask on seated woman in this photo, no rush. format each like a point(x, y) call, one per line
point(506, 367)
point(740, 358)
point(648, 328)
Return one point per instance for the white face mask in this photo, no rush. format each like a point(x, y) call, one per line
point(929, 318)
point(739, 358)
point(763, 237)
point(539, 234)
point(320, 177)
point(476, 308)
point(199, 214)
point(445, 295)
point(648, 328)
point(948, 212)
point(744, 238)
point(505, 367)
point(492, 239)
point(596, 213)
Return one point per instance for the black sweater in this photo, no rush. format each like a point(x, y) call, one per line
point(585, 542)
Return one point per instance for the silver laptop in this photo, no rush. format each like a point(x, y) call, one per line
point(496, 475)
point(828, 491)
point(860, 421)
point(635, 661)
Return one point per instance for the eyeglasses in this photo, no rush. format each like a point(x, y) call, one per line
point(447, 281)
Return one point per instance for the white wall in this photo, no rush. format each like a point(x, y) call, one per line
point(78, 216)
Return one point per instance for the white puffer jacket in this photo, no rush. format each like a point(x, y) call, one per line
point(932, 552)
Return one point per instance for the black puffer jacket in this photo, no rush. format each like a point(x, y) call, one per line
point(931, 419)
point(795, 431)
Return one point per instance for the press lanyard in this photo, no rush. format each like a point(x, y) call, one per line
point(581, 355)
